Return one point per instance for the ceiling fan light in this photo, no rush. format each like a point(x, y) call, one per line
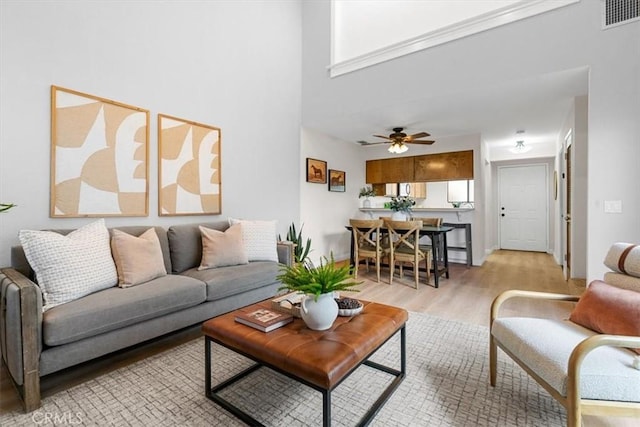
point(397, 148)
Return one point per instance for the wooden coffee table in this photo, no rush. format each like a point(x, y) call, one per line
point(318, 359)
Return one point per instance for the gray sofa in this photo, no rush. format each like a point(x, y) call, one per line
point(35, 344)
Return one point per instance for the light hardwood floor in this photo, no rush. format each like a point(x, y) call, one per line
point(466, 296)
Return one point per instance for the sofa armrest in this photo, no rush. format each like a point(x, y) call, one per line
point(21, 333)
point(285, 252)
point(507, 295)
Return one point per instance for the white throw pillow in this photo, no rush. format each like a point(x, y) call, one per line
point(72, 266)
point(259, 238)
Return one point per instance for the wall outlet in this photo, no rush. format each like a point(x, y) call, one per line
point(613, 206)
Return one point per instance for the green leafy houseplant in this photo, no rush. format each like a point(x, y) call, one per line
point(402, 204)
point(301, 251)
point(6, 206)
point(311, 280)
point(366, 192)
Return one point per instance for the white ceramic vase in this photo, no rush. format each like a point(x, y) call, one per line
point(399, 216)
point(366, 203)
point(319, 315)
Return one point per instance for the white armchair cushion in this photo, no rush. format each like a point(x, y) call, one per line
point(544, 346)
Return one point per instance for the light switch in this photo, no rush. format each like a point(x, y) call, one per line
point(613, 206)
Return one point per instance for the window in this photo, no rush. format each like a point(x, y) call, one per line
point(459, 192)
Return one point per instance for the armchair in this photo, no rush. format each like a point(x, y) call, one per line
point(586, 371)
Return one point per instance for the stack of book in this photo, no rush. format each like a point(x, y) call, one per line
point(264, 320)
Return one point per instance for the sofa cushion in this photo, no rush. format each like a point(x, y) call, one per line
point(622, 281)
point(138, 259)
point(186, 244)
point(259, 238)
point(222, 248)
point(72, 266)
point(624, 258)
point(544, 345)
point(609, 310)
point(116, 307)
point(137, 230)
point(233, 280)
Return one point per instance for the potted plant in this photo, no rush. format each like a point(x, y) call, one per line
point(319, 308)
point(300, 250)
point(6, 206)
point(401, 207)
point(366, 192)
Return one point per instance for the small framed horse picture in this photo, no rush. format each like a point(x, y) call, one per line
point(337, 180)
point(316, 171)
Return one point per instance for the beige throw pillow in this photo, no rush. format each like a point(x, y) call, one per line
point(138, 259)
point(220, 249)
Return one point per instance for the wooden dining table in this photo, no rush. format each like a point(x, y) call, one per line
point(438, 236)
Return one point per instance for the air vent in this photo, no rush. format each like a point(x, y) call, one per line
point(617, 12)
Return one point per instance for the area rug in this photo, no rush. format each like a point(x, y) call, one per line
point(447, 384)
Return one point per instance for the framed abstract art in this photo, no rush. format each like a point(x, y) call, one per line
point(99, 156)
point(189, 167)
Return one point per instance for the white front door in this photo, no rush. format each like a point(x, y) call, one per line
point(523, 207)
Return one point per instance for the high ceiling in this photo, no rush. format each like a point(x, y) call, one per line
point(537, 105)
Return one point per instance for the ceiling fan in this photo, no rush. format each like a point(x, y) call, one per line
point(399, 139)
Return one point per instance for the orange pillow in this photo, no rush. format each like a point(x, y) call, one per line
point(609, 310)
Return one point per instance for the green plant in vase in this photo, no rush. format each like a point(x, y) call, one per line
point(301, 250)
point(403, 205)
point(319, 308)
point(366, 192)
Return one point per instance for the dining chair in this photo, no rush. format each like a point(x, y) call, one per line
point(404, 237)
point(366, 243)
point(434, 222)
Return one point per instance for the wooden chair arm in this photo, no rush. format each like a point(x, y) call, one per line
point(30, 319)
point(581, 351)
point(514, 293)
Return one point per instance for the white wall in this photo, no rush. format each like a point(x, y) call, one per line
point(235, 65)
point(572, 38)
point(325, 213)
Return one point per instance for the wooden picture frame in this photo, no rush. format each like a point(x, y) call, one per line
point(99, 157)
point(337, 180)
point(316, 171)
point(189, 175)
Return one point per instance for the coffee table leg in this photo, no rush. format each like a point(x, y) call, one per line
point(207, 367)
point(326, 408)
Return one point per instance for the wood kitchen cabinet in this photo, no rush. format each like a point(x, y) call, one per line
point(451, 166)
point(397, 169)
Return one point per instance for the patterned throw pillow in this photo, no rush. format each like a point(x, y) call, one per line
point(72, 266)
point(138, 259)
point(222, 248)
point(259, 238)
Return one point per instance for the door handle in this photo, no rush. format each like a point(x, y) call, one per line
point(502, 215)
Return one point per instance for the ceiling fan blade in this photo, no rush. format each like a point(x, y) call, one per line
point(365, 144)
point(419, 135)
point(385, 137)
point(419, 142)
